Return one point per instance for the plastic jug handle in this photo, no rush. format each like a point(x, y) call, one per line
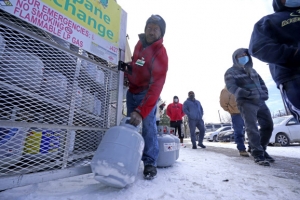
point(125, 122)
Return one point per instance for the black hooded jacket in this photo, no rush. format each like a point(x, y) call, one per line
point(246, 87)
point(276, 40)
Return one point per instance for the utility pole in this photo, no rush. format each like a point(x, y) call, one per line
point(220, 116)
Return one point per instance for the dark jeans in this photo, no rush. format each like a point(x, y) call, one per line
point(258, 139)
point(200, 125)
point(291, 96)
point(149, 129)
point(177, 126)
point(157, 123)
point(238, 127)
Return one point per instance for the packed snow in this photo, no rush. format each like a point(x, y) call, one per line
point(197, 174)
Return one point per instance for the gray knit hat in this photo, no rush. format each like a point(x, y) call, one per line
point(157, 19)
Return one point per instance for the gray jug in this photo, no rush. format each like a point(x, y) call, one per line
point(170, 131)
point(118, 156)
point(177, 145)
point(167, 150)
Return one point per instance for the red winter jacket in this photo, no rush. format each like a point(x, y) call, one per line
point(174, 111)
point(151, 75)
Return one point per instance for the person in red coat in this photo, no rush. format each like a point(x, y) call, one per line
point(149, 70)
point(175, 113)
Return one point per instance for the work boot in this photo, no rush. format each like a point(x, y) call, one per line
point(261, 160)
point(249, 149)
point(244, 153)
point(150, 172)
point(268, 157)
point(194, 147)
point(202, 146)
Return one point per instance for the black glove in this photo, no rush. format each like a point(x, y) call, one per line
point(126, 82)
point(135, 118)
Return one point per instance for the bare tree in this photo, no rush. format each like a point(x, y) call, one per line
point(226, 118)
point(279, 113)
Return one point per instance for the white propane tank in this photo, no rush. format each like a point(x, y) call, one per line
point(167, 150)
point(176, 139)
point(118, 156)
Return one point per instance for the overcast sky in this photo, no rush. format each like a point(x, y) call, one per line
point(200, 39)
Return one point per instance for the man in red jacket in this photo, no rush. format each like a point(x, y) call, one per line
point(149, 70)
point(175, 113)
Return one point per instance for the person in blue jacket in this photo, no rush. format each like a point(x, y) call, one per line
point(194, 111)
point(276, 40)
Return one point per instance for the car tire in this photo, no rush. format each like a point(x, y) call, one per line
point(282, 139)
point(215, 139)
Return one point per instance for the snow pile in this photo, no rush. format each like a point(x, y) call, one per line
point(197, 174)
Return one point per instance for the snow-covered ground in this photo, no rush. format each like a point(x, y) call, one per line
point(197, 174)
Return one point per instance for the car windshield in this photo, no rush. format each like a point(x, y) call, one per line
point(228, 132)
point(219, 129)
point(278, 120)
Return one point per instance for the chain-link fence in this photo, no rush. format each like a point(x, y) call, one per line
point(56, 100)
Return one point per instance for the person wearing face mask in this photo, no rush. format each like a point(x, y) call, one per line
point(194, 111)
point(276, 40)
point(250, 94)
point(175, 113)
point(149, 70)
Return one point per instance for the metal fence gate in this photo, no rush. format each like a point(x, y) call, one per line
point(56, 102)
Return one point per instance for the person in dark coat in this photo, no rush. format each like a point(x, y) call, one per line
point(276, 40)
point(194, 111)
point(251, 93)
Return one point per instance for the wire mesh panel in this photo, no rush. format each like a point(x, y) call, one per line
point(56, 100)
point(84, 144)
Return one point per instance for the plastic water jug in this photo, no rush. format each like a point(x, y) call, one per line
point(167, 150)
point(118, 156)
point(54, 86)
point(11, 144)
point(21, 68)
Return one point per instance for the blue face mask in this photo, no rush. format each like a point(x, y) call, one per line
point(243, 60)
point(292, 3)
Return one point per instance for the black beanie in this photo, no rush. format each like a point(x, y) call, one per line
point(158, 20)
point(175, 97)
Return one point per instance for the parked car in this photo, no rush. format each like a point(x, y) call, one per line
point(214, 126)
point(286, 130)
point(212, 136)
point(226, 136)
